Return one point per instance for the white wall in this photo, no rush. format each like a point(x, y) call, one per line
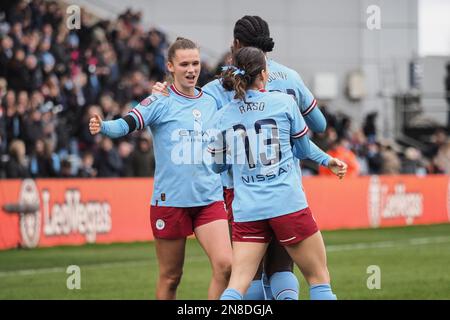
point(434, 27)
point(310, 36)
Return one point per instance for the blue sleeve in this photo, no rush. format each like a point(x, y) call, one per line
point(308, 107)
point(219, 168)
point(210, 89)
point(299, 131)
point(301, 147)
point(316, 154)
point(149, 111)
point(218, 92)
point(115, 128)
point(218, 151)
point(316, 120)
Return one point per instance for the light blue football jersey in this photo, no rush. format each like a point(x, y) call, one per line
point(220, 95)
point(258, 135)
point(183, 177)
point(222, 98)
point(282, 79)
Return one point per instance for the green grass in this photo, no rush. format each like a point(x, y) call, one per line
point(414, 262)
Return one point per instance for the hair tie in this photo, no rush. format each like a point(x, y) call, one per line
point(226, 68)
point(239, 71)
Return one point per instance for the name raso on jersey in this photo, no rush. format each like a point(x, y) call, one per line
point(251, 106)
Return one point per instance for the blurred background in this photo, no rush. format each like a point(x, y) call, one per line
point(379, 69)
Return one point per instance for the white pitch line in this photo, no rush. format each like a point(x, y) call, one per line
point(29, 272)
point(387, 244)
point(330, 248)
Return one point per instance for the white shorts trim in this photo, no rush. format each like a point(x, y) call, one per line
point(286, 240)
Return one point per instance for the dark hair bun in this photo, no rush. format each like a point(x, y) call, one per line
point(266, 44)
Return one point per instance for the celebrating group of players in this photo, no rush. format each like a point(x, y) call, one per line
point(253, 123)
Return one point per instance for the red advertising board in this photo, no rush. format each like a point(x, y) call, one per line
point(75, 211)
point(50, 212)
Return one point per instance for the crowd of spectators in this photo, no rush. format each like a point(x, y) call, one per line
point(367, 153)
point(52, 80)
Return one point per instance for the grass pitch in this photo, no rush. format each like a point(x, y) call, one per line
point(414, 264)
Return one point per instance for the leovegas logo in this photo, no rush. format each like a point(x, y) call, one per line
point(30, 222)
point(386, 203)
point(65, 218)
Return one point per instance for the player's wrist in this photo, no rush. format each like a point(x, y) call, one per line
point(102, 127)
point(327, 162)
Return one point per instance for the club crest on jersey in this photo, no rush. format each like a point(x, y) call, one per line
point(148, 101)
point(160, 224)
point(196, 113)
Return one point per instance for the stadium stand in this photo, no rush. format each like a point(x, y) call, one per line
point(52, 79)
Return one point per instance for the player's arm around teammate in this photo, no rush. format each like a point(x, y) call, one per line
point(254, 31)
point(289, 219)
point(187, 197)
